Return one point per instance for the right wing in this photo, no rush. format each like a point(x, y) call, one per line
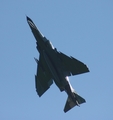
point(43, 78)
point(72, 65)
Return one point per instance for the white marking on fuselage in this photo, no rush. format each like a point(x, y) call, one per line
point(67, 78)
point(33, 25)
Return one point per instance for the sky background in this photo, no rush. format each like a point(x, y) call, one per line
point(79, 28)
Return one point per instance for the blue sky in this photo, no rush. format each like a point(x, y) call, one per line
point(82, 29)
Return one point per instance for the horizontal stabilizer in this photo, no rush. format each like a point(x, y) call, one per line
point(70, 103)
point(79, 99)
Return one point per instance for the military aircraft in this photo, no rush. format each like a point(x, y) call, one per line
point(54, 65)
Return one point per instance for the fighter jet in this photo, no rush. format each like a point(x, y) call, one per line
point(55, 66)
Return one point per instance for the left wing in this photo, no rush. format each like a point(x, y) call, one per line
point(43, 78)
point(72, 65)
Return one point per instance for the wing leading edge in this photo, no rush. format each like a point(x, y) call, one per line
point(43, 78)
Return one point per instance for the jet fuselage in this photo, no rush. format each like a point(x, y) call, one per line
point(46, 48)
point(57, 66)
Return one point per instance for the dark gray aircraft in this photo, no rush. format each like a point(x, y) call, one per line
point(54, 65)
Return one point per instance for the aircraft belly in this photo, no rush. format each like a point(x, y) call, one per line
point(54, 65)
point(56, 72)
point(51, 67)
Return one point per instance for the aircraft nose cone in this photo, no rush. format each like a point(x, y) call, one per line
point(28, 19)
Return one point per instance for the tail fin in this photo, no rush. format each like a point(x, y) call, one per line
point(70, 103)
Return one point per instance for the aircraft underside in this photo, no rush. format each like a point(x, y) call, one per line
point(54, 65)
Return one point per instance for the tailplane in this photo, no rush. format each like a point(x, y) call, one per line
point(70, 103)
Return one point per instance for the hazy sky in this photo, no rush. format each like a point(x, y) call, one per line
point(78, 28)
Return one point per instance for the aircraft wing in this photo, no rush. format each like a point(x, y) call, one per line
point(73, 65)
point(43, 78)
